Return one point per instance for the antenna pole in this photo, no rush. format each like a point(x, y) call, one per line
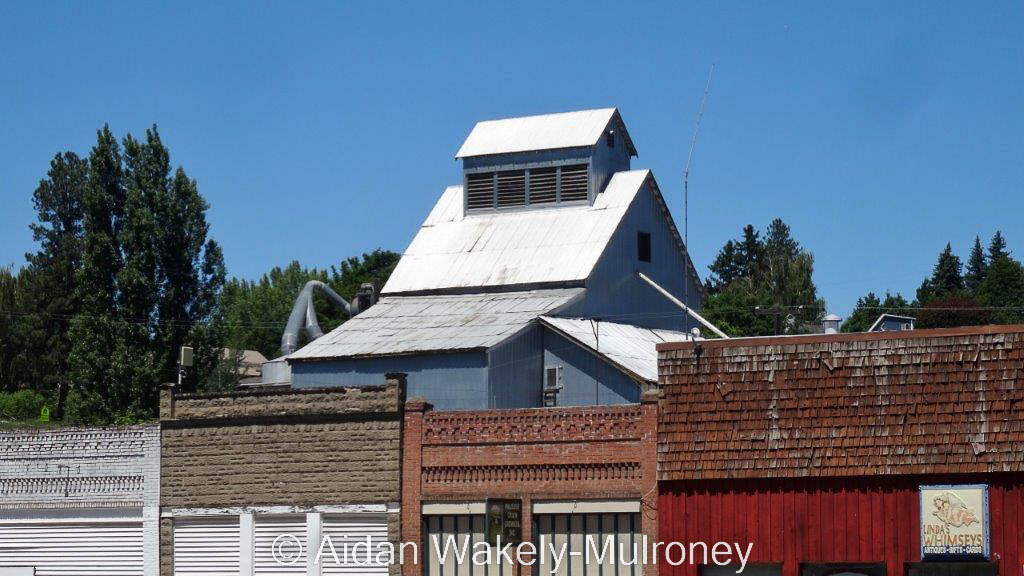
point(686, 187)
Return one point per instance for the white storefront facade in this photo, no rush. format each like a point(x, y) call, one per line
point(80, 501)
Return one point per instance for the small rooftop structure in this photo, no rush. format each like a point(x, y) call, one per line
point(892, 323)
point(543, 132)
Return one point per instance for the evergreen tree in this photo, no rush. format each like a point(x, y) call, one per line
point(150, 282)
point(750, 252)
point(946, 279)
point(1003, 290)
point(773, 291)
point(977, 266)
point(93, 330)
point(49, 291)
point(997, 247)
point(724, 269)
point(870, 307)
point(12, 352)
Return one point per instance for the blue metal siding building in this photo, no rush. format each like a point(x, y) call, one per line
point(550, 222)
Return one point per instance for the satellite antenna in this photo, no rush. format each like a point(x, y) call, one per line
point(686, 187)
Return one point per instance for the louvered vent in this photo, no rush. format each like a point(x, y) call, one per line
point(542, 185)
point(574, 183)
point(480, 191)
point(511, 188)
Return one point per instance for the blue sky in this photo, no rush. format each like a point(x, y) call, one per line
point(319, 131)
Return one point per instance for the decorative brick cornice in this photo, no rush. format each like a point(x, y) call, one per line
point(540, 425)
point(599, 472)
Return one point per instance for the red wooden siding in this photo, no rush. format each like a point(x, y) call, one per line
point(829, 520)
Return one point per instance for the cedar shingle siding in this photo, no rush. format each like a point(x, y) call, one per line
point(922, 402)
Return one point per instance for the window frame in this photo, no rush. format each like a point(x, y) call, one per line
point(644, 246)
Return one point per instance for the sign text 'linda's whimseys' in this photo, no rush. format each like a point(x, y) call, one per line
point(954, 521)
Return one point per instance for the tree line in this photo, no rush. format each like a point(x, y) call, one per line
point(126, 272)
point(988, 290)
point(761, 284)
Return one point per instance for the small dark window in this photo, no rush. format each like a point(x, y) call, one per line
point(609, 137)
point(643, 246)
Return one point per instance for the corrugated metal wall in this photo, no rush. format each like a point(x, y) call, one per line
point(515, 370)
point(448, 381)
point(616, 293)
point(846, 520)
point(586, 379)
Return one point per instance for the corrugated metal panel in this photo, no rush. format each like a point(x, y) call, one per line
point(348, 530)
point(209, 546)
point(408, 324)
point(630, 347)
point(541, 132)
point(266, 529)
point(73, 549)
point(558, 244)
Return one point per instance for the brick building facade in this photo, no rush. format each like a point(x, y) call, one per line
point(895, 453)
point(578, 470)
point(240, 469)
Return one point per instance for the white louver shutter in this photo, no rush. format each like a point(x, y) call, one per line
point(511, 188)
point(348, 530)
point(543, 182)
point(479, 191)
point(208, 546)
point(574, 183)
point(265, 530)
point(73, 549)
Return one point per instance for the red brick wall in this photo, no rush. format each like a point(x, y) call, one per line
point(583, 452)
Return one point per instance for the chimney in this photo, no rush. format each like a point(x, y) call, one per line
point(831, 324)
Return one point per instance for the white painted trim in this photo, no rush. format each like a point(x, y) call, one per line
point(586, 506)
point(49, 515)
point(73, 520)
point(239, 510)
point(314, 531)
point(449, 508)
point(246, 544)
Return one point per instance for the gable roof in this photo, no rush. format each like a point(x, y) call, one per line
point(915, 402)
point(526, 247)
point(629, 348)
point(542, 132)
point(438, 323)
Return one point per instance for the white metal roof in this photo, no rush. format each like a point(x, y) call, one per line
point(630, 348)
point(412, 324)
point(543, 132)
point(560, 244)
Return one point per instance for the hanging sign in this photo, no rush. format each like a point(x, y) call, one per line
point(954, 521)
point(504, 518)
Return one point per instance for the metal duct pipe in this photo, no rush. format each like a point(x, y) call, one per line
point(304, 315)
